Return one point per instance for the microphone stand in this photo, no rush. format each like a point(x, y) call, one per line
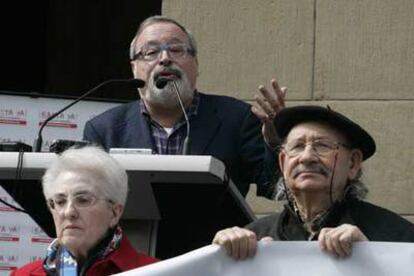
point(39, 140)
point(186, 144)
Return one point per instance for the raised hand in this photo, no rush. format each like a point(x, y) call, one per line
point(268, 102)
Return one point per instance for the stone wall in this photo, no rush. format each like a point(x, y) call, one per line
point(357, 56)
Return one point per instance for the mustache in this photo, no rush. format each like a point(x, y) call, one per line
point(171, 70)
point(314, 168)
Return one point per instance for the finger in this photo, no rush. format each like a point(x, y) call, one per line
point(218, 238)
point(222, 239)
point(348, 234)
point(284, 92)
point(329, 247)
point(265, 106)
point(252, 246)
point(341, 240)
point(280, 93)
point(235, 243)
point(345, 241)
point(271, 96)
point(270, 99)
point(250, 243)
point(283, 96)
point(275, 85)
point(357, 235)
point(258, 111)
point(337, 245)
point(322, 238)
point(351, 234)
point(275, 98)
point(242, 239)
point(267, 239)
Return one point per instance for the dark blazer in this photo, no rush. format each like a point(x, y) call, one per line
point(224, 128)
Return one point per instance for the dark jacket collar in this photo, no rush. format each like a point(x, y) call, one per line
point(290, 226)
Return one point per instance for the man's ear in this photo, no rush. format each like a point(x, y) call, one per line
point(355, 163)
point(198, 67)
point(282, 159)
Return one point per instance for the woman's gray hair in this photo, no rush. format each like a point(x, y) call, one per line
point(95, 164)
point(161, 19)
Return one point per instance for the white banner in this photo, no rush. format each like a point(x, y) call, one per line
point(289, 258)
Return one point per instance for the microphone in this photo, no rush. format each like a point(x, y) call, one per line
point(160, 84)
point(136, 83)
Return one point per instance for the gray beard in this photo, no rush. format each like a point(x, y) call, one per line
point(166, 96)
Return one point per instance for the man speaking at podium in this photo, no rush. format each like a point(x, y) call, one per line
point(164, 54)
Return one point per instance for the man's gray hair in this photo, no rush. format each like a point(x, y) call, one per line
point(355, 188)
point(96, 165)
point(162, 19)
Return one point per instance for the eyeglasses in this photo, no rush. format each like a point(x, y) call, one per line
point(153, 52)
point(322, 147)
point(79, 201)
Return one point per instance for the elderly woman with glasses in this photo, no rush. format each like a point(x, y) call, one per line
point(86, 191)
point(320, 160)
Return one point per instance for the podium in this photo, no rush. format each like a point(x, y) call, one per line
point(175, 203)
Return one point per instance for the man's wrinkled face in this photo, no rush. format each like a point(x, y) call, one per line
point(165, 64)
point(314, 155)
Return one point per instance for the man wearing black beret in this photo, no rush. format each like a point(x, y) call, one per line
point(320, 159)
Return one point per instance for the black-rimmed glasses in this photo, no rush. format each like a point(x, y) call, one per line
point(153, 51)
point(322, 147)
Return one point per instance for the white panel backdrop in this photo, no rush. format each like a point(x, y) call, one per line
point(21, 240)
